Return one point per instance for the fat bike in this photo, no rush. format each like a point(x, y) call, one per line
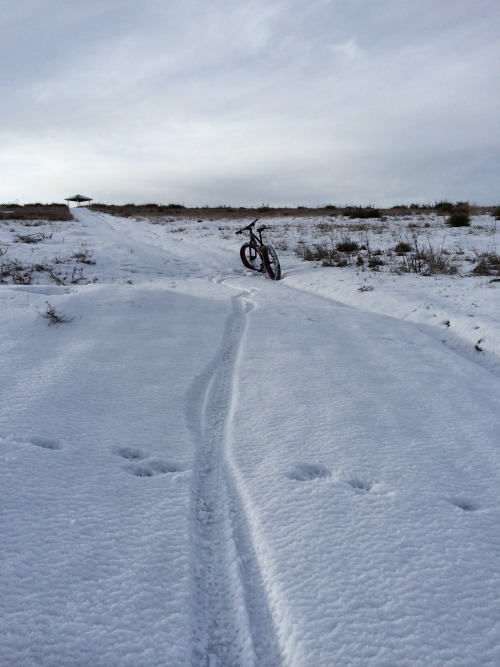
point(257, 255)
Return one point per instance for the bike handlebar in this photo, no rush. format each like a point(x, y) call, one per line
point(247, 228)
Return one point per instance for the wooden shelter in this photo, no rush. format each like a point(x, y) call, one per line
point(78, 198)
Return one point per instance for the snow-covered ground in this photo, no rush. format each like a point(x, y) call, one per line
point(205, 467)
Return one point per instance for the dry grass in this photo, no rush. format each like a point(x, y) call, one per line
point(54, 317)
point(488, 264)
point(153, 210)
point(35, 212)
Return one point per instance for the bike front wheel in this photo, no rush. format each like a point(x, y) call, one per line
point(271, 262)
point(251, 258)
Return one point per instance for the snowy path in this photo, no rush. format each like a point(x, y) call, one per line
point(207, 468)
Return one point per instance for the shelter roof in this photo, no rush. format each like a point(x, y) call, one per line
point(78, 198)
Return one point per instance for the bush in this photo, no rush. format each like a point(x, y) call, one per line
point(438, 262)
point(488, 265)
point(458, 218)
point(321, 253)
point(402, 247)
point(375, 262)
point(17, 274)
point(347, 246)
point(317, 254)
point(444, 206)
point(354, 212)
point(481, 269)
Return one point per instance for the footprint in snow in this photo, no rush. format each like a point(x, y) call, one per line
point(362, 486)
point(43, 443)
point(305, 472)
point(464, 504)
point(131, 453)
point(153, 467)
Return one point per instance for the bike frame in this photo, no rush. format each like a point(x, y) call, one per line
point(256, 241)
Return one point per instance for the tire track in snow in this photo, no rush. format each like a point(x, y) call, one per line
point(232, 622)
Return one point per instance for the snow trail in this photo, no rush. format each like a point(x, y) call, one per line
point(232, 624)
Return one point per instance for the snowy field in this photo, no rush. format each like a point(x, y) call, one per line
point(203, 467)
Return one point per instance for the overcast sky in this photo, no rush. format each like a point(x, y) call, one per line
point(250, 102)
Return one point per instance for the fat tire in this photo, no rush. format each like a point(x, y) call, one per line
point(271, 262)
point(247, 261)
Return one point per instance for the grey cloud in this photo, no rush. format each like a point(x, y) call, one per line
point(283, 102)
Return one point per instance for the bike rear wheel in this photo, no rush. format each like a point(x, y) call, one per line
point(251, 258)
point(271, 262)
